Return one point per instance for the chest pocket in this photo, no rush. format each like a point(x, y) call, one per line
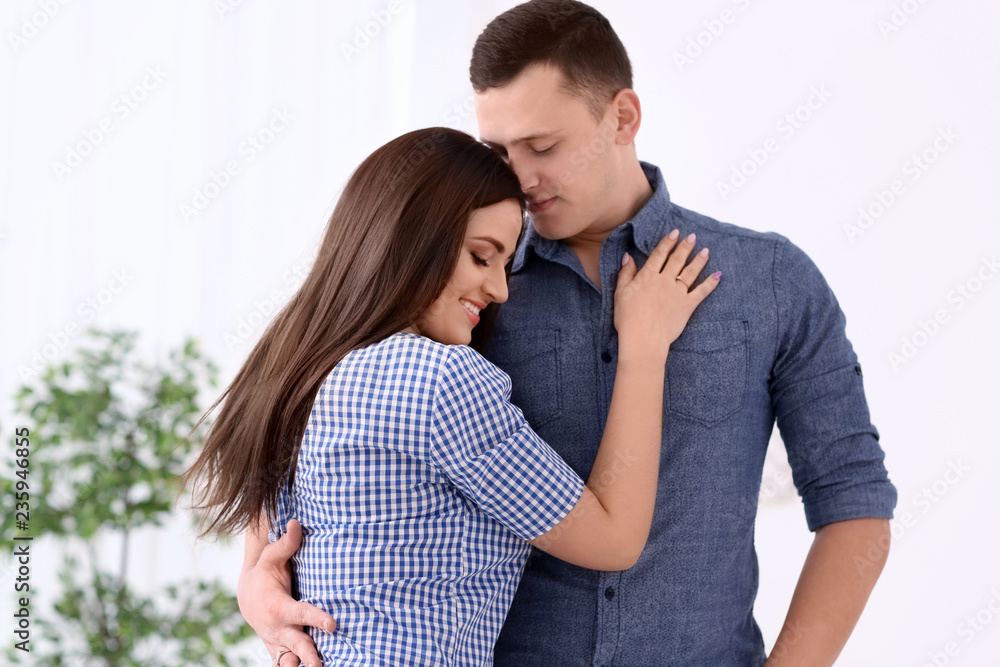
point(531, 359)
point(707, 371)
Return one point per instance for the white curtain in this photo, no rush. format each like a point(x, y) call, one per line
point(169, 166)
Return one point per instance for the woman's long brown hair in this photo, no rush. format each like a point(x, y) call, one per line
point(390, 247)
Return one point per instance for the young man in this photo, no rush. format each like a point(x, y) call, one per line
point(554, 95)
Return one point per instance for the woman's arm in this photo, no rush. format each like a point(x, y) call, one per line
point(608, 527)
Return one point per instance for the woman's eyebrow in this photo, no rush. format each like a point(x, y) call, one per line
point(499, 246)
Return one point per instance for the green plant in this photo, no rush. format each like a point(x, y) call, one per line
point(106, 448)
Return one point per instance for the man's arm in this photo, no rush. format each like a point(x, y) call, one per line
point(837, 578)
point(819, 402)
point(264, 593)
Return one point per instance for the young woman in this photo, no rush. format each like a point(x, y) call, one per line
point(363, 414)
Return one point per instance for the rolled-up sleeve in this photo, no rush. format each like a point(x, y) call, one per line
point(483, 444)
point(819, 401)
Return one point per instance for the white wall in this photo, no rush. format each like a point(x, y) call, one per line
point(224, 74)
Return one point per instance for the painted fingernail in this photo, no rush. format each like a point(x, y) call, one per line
point(703, 253)
point(625, 259)
point(717, 275)
point(674, 234)
point(690, 239)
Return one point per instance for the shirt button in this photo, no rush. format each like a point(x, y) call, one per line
point(857, 370)
point(606, 357)
point(609, 592)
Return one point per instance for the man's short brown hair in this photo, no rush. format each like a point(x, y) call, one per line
point(570, 35)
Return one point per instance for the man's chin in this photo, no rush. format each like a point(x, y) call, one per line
point(549, 228)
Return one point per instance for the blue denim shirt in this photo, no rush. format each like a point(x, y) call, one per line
point(769, 344)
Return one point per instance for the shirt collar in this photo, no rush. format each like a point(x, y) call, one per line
point(648, 226)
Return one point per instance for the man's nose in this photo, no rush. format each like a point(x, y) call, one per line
point(527, 176)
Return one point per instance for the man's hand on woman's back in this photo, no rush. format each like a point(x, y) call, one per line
point(266, 602)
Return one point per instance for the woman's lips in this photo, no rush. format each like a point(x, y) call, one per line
point(473, 317)
point(541, 206)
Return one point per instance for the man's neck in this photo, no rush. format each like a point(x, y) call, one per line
point(634, 191)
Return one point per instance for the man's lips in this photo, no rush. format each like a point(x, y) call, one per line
point(541, 205)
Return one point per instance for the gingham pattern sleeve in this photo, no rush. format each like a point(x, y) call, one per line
point(486, 448)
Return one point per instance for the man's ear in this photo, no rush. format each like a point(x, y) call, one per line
point(626, 112)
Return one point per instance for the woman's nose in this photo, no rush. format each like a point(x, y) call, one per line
point(496, 287)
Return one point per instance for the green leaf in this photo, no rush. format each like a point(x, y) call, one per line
point(105, 459)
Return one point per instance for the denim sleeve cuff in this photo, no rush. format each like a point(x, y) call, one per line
point(869, 500)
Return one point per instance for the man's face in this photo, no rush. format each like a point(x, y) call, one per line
point(568, 162)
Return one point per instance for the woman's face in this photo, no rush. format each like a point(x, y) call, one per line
point(478, 278)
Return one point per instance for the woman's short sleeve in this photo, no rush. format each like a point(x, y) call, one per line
point(486, 448)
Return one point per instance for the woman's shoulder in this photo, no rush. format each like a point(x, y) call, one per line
point(406, 351)
point(415, 355)
point(408, 355)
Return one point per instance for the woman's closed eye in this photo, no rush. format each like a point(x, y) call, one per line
point(481, 261)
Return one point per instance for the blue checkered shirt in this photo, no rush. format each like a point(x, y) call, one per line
point(417, 485)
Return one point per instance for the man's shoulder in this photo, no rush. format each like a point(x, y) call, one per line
point(687, 217)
